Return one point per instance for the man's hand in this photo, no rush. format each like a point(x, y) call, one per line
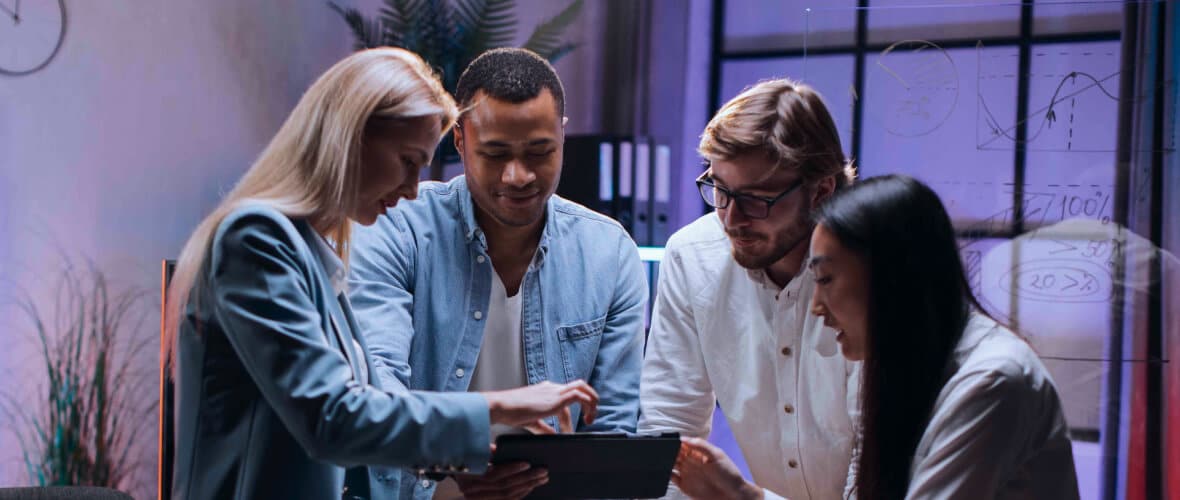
point(503, 481)
point(705, 471)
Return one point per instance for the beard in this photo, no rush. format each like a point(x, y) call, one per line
point(781, 243)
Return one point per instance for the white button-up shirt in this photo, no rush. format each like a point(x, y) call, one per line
point(338, 277)
point(722, 333)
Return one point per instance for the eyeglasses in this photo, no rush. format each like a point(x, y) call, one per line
point(754, 207)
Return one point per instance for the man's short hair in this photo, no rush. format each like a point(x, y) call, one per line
point(785, 120)
point(509, 74)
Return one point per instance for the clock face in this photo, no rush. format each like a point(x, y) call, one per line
point(924, 84)
point(31, 32)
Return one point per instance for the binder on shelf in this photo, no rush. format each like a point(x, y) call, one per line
point(642, 206)
point(623, 177)
point(624, 202)
point(588, 172)
point(606, 176)
point(661, 214)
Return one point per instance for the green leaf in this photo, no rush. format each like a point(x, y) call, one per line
point(397, 19)
point(479, 25)
point(490, 23)
point(560, 52)
point(467, 14)
point(366, 31)
point(438, 34)
point(546, 38)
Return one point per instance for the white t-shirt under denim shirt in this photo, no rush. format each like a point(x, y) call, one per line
point(500, 365)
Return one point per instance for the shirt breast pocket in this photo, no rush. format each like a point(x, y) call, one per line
point(579, 347)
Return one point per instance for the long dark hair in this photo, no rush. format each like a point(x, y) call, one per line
point(919, 305)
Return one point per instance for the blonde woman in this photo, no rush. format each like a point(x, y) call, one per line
point(275, 392)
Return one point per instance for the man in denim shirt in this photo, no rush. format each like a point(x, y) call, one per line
point(489, 281)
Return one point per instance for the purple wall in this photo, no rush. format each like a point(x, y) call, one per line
point(115, 150)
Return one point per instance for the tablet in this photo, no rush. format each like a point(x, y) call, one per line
point(594, 465)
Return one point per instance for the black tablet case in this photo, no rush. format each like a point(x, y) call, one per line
point(594, 465)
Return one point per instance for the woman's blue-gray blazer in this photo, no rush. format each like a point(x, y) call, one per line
point(273, 399)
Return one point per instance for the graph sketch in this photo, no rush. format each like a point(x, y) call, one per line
point(1073, 100)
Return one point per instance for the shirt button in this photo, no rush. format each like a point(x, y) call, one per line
point(477, 315)
point(789, 409)
point(480, 259)
point(459, 373)
point(425, 483)
point(792, 463)
point(786, 351)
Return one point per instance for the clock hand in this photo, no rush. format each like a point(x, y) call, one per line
point(894, 74)
point(15, 17)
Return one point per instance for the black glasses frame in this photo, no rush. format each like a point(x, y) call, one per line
point(745, 202)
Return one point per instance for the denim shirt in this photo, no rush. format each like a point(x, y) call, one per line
point(420, 285)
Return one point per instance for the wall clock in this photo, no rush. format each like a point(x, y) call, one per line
point(31, 32)
point(924, 83)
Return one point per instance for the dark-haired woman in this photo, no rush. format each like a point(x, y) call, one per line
point(953, 404)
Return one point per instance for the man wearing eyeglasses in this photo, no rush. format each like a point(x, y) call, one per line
point(731, 326)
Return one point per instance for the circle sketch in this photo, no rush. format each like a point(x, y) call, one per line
point(923, 82)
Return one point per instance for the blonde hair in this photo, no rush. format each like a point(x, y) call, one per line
point(787, 121)
point(310, 169)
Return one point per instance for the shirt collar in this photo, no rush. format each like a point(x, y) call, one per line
point(979, 326)
point(332, 264)
point(473, 232)
point(760, 277)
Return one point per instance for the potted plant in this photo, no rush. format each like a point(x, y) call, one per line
point(85, 423)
